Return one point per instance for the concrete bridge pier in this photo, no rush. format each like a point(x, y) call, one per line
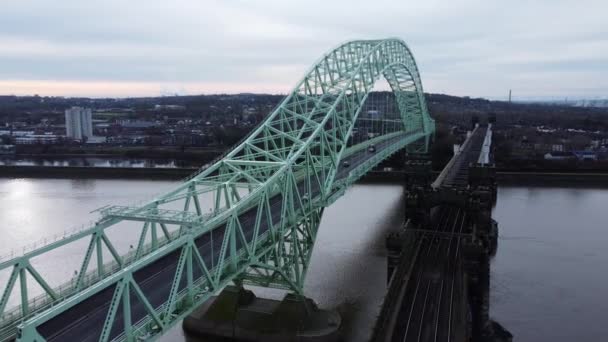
point(236, 314)
point(394, 247)
point(394, 161)
point(418, 171)
point(477, 270)
point(483, 329)
point(483, 177)
point(418, 179)
point(401, 247)
point(478, 250)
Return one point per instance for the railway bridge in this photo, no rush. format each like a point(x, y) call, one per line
point(439, 261)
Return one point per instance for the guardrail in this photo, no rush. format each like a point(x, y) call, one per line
point(484, 155)
point(386, 320)
point(11, 317)
point(444, 173)
point(44, 242)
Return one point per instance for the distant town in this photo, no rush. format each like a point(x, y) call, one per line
point(560, 136)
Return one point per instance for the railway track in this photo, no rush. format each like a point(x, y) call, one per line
point(429, 299)
point(432, 303)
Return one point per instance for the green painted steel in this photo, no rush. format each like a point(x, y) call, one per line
point(289, 165)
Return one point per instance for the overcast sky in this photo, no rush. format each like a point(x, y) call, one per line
point(147, 48)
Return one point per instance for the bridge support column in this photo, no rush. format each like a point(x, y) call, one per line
point(477, 252)
point(484, 177)
point(394, 246)
point(418, 178)
point(483, 328)
point(478, 273)
point(418, 171)
point(236, 314)
point(401, 246)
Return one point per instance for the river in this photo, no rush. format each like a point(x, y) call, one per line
point(548, 279)
point(547, 282)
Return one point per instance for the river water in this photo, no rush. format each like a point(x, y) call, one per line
point(547, 279)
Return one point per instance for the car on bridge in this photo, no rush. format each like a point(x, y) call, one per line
point(372, 148)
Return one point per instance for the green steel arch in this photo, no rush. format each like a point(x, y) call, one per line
point(257, 208)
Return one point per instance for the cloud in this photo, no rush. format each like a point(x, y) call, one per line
point(463, 47)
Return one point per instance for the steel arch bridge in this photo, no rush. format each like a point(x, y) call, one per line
point(250, 217)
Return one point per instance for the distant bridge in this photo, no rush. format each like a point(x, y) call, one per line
point(250, 217)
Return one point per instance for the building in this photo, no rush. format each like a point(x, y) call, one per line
point(96, 140)
point(127, 123)
point(169, 107)
point(559, 155)
point(34, 139)
point(585, 155)
point(7, 149)
point(78, 123)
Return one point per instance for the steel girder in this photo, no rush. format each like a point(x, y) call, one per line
point(250, 217)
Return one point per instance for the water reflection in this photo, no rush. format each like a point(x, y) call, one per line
point(83, 184)
point(17, 188)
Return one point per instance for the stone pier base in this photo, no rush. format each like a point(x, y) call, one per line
point(238, 315)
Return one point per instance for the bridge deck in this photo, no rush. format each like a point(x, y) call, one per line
point(84, 321)
point(458, 174)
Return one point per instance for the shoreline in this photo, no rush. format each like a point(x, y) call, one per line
point(514, 178)
point(534, 178)
point(83, 172)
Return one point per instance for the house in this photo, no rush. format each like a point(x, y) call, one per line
point(7, 149)
point(585, 155)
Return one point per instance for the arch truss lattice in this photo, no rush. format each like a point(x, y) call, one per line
point(250, 217)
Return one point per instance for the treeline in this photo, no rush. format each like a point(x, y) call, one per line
point(459, 111)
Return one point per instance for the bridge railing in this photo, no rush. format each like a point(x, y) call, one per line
point(484, 155)
point(14, 315)
point(446, 170)
point(41, 243)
